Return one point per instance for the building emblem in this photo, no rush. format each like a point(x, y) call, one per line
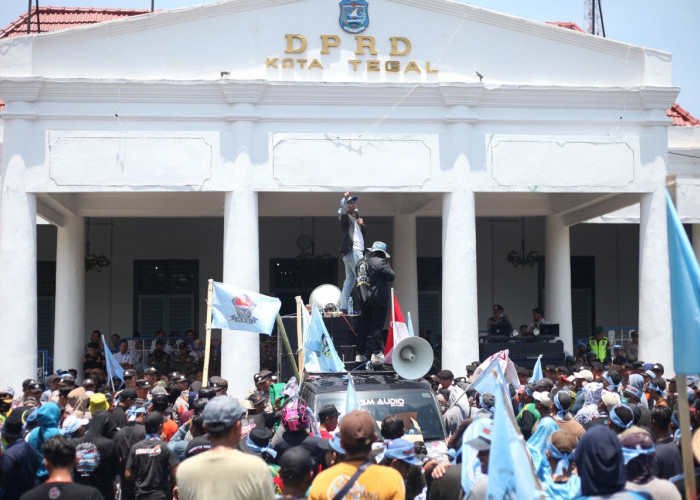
point(244, 307)
point(354, 15)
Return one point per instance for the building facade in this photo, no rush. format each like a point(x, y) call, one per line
point(220, 134)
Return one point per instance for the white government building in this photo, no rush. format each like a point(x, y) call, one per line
point(216, 141)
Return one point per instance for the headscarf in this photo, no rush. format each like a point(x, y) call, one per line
point(546, 426)
point(599, 460)
point(592, 392)
point(586, 414)
point(637, 381)
point(639, 455)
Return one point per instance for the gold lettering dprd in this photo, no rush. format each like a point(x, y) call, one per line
point(328, 42)
point(290, 44)
point(365, 42)
point(395, 40)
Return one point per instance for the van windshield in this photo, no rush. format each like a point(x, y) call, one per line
point(417, 409)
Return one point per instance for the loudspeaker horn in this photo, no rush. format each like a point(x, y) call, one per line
point(412, 358)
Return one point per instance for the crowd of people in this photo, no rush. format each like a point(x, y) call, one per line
point(593, 427)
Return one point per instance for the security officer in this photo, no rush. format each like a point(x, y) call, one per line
point(93, 359)
point(598, 344)
point(183, 362)
point(159, 358)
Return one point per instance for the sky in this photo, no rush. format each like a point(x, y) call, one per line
point(665, 25)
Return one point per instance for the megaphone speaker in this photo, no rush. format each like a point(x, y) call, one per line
point(412, 358)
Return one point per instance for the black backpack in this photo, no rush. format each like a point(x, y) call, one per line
point(366, 293)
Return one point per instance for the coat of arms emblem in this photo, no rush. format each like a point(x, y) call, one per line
point(354, 15)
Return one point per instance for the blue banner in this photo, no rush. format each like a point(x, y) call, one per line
point(685, 295)
point(114, 369)
point(320, 354)
point(234, 308)
point(537, 371)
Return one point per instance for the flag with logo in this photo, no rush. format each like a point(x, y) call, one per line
point(685, 295)
point(537, 371)
point(486, 382)
point(113, 368)
point(320, 354)
point(397, 329)
point(234, 308)
point(507, 367)
point(511, 474)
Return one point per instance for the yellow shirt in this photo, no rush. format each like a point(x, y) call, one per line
point(377, 482)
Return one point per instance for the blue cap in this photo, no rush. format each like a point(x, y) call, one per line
point(401, 449)
point(618, 347)
point(335, 444)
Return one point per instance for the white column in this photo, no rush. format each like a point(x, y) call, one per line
point(240, 351)
point(18, 295)
point(70, 294)
point(460, 329)
point(696, 241)
point(405, 263)
point(557, 274)
point(655, 329)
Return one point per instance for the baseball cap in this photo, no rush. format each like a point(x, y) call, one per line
point(564, 441)
point(223, 410)
point(128, 393)
point(130, 373)
point(402, 449)
point(218, 382)
point(658, 367)
point(584, 374)
point(72, 423)
point(35, 387)
point(159, 390)
point(142, 383)
point(151, 370)
point(483, 440)
point(8, 390)
point(445, 374)
point(357, 428)
point(262, 376)
point(542, 397)
point(295, 463)
point(257, 398)
point(328, 411)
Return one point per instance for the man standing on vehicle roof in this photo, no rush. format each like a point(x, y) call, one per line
point(352, 245)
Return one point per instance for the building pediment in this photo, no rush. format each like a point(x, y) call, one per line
point(402, 41)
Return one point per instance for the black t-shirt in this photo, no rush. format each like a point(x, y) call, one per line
point(124, 440)
point(313, 445)
point(119, 417)
point(67, 491)
point(151, 462)
point(668, 458)
point(197, 445)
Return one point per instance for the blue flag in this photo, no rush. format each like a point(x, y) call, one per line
point(409, 326)
point(234, 308)
point(685, 295)
point(537, 371)
point(486, 382)
point(512, 474)
point(320, 354)
point(114, 369)
point(351, 401)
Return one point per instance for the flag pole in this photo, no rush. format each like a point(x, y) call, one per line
point(686, 446)
point(109, 372)
point(207, 342)
point(300, 344)
point(283, 334)
point(393, 318)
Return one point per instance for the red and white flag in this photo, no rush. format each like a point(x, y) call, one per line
point(397, 329)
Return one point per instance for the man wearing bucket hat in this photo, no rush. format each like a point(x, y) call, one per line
point(375, 305)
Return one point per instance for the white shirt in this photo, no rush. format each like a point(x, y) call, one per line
point(124, 358)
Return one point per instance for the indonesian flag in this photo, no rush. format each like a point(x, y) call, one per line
point(397, 329)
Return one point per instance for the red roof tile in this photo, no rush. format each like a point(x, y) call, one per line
point(61, 18)
point(566, 24)
point(681, 118)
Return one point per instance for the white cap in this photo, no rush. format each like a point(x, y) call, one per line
point(584, 374)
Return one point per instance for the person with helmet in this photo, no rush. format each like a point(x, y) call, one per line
point(296, 419)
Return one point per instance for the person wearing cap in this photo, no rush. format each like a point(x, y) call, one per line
point(618, 355)
point(223, 471)
point(143, 389)
point(20, 398)
point(328, 420)
point(152, 374)
point(52, 388)
point(6, 395)
point(96, 454)
point(499, 318)
point(59, 457)
point(352, 245)
point(296, 473)
point(18, 462)
point(74, 427)
point(126, 437)
point(528, 415)
point(357, 433)
point(126, 399)
point(632, 348)
point(400, 454)
point(375, 306)
point(598, 344)
point(160, 359)
point(183, 361)
point(151, 465)
point(160, 402)
point(219, 385)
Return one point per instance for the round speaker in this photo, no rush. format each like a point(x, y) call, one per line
point(324, 295)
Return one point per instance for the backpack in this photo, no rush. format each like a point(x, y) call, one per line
point(366, 293)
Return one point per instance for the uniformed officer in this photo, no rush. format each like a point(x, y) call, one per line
point(183, 362)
